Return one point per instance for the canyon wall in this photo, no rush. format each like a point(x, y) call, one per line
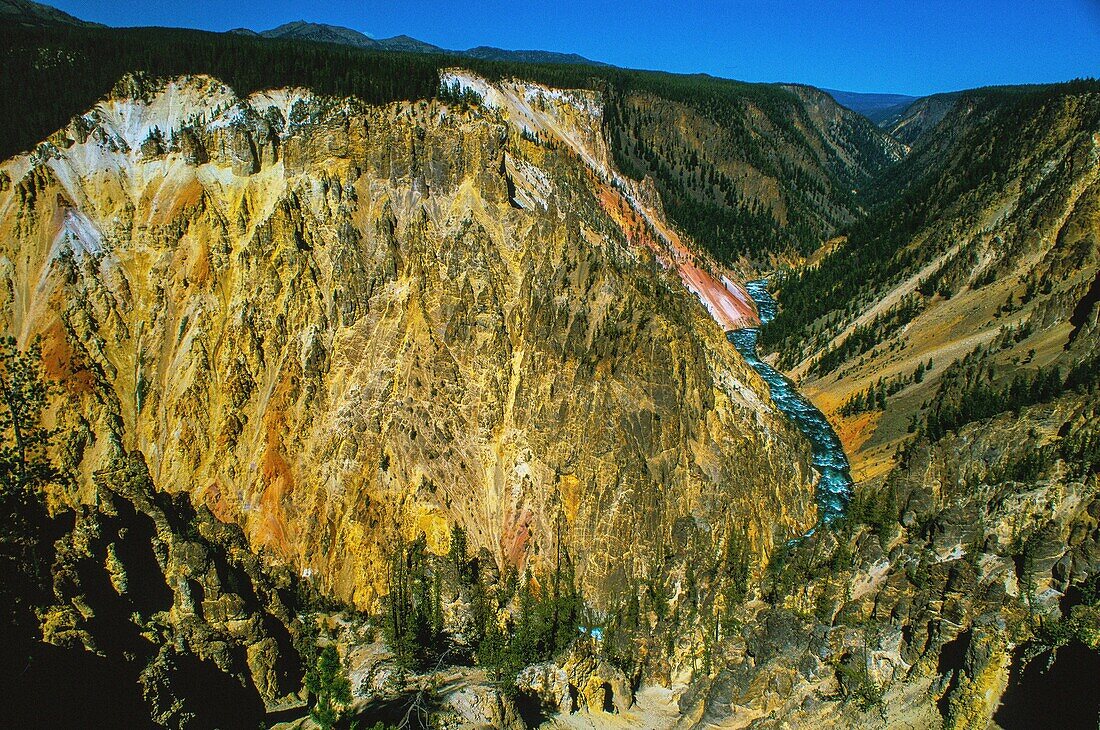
point(339, 325)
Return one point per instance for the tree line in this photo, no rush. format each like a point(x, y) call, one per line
point(52, 73)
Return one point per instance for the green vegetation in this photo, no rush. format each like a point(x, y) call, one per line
point(50, 74)
point(877, 509)
point(454, 93)
point(327, 681)
point(696, 192)
point(795, 566)
point(515, 621)
point(1079, 622)
point(970, 391)
point(736, 568)
point(874, 398)
point(856, 684)
point(25, 468)
point(1080, 448)
point(911, 208)
point(865, 337)
point(544, 619)
point(413, 622)
point(545, 624)
point(703, 187)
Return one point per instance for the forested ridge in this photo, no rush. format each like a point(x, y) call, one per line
point(771, 181)
point(750, 174)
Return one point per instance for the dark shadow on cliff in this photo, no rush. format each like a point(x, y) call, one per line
point(1061, 693)
point(51, 686)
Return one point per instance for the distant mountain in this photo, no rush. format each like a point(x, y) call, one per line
point(408, 44)
point(490, 53)
point(879, 108)
point(31, 13)
point(321, 33)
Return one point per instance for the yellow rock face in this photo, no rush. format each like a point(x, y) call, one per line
point(335, 324)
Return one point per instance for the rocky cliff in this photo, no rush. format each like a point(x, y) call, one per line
point(334, 324)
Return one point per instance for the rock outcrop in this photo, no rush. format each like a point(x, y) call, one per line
point(170, 615)
point(967, 563)
point(919, 618)
point(583, 680)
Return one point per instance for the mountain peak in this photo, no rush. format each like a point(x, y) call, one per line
point(491, 53)
point(321, 33)
point(304, 30)
point(27, 12)
point(408, 43)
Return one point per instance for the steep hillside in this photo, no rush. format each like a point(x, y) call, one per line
point(911, 123)
point(952, 338)
point(54, 73)
point(421, 363)
point(750, 171)
point(162, 611)
point(960, 592)
point(991, 243)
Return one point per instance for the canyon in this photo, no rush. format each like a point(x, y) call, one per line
point(412, 379)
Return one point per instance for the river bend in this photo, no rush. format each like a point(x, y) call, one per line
point(829, 460)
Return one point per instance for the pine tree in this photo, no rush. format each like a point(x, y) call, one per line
point(412, 608)
point(457, 553)
point(328, 683)
point(491, 650)
point(23, 393)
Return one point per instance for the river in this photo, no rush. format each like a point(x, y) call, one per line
point(835, 486)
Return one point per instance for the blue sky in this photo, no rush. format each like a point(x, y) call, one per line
point(916, 47)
